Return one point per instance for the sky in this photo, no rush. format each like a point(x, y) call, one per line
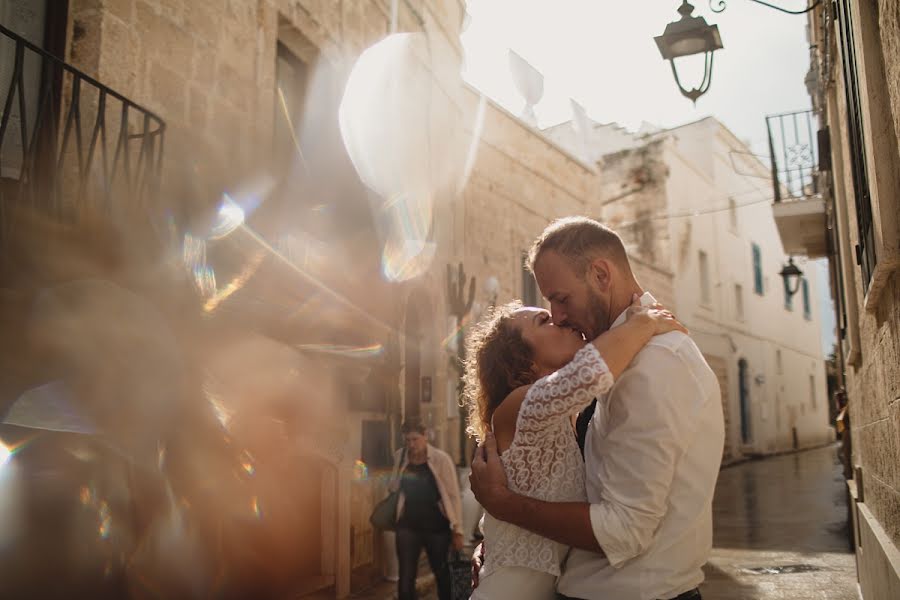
point(601, 53)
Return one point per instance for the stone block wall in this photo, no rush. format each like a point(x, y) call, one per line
point(873, 384)
point(520, 182)
point(872, 344)
point(874, 396)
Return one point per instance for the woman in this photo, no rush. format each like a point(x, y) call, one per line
point(526, 379)
point(429, 510)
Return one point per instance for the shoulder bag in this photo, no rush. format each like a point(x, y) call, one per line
point(384, 515)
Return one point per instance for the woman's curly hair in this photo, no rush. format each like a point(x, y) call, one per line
point(498, 360)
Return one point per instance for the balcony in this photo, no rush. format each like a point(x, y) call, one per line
point(799, 208)
point(69, 144)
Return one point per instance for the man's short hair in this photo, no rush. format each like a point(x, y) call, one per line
point(413, 425)
point(581, 240)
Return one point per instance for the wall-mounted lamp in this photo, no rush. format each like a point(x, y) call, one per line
point(685, 37)
point(792, 275)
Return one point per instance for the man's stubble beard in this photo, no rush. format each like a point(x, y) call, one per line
point(598, 314)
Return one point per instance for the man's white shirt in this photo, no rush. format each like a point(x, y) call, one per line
point(652, 456)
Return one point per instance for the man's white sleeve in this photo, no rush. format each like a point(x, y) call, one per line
point(649, 417)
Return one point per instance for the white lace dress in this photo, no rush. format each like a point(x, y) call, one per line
point(544, 462)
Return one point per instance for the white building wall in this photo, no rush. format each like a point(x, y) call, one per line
point(707, 166)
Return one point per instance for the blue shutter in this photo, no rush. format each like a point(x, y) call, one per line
point(757, 270)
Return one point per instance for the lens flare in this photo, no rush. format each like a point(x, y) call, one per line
point(322, 288)
point(235, 284)
point(360, 471)
point(193, 251)
point(254, 507)
point(49, 407)
point(239, 204)
point(247, 463)
point(286, 112)
point(103, 514)
point(222, 413)
point(205, 278)
point(451, 341)
point(5, 454)
point(229, 217)
point(407, 139)
point(345, 351)
point(405, 259)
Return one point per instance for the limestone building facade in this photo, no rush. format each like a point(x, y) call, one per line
point(693, 201)
point(853, 83)
point(251, 87)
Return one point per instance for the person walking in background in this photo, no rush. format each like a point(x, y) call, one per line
point(429, 510)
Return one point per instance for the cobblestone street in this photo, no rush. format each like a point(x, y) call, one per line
point(780, 531)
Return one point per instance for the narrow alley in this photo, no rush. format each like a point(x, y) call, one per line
point(780, 531)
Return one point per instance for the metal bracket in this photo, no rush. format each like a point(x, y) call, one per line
point(718, 6)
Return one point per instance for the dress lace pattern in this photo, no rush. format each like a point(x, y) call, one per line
point(544, 461)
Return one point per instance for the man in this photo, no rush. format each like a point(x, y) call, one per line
point(653, 445)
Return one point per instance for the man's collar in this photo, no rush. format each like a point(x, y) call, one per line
point(646, 300)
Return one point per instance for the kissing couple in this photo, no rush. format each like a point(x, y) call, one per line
point(601, 434)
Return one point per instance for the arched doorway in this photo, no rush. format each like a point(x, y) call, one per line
point(744, 395)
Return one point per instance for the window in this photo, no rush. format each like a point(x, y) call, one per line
point(865, 247)
point(757, 270)
point(529, 287)
point(732, 214)
point(788, 298)
point(807, 309)
point(739, 301)
point(779, 366)
point(705, 293)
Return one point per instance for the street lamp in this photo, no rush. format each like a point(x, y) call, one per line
point(791, 272)
point(685, 37)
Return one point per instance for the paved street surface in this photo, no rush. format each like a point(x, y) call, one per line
point(780, 531)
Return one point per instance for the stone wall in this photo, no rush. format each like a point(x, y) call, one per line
point(871, 346)
point(520, 182)
point(873, 384)
point(880, 331)
point(874, 393)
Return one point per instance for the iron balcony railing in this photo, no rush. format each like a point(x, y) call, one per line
point(68, 142)
point(793, 147)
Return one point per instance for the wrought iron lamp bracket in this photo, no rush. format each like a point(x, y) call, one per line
point(718, 6)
